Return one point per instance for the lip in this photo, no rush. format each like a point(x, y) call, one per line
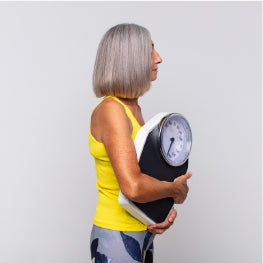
point(155, 69)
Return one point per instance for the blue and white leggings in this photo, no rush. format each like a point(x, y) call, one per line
point(110, 246)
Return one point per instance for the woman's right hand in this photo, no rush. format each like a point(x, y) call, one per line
point(180, 188)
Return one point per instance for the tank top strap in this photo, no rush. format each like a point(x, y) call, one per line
point(128, 112)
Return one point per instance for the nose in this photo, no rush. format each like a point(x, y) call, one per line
point(157, 58)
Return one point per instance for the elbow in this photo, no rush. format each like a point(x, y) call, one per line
point(133, 192)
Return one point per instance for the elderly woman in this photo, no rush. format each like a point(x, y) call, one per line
point(126, 63)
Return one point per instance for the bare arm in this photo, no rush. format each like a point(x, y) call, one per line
point(113, 128)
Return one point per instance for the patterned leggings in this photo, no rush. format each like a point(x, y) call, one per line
point(110, 246)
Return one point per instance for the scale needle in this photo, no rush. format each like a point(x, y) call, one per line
point(172, 140)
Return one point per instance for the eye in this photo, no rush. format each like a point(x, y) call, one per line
point(152, 48)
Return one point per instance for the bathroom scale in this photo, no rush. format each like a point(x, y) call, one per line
point(163, 145)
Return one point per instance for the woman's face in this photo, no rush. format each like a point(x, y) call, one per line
point(155, 60)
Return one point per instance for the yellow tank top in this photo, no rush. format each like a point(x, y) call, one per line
point(109, 214)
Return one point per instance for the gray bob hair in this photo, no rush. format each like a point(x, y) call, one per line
point(123, 62)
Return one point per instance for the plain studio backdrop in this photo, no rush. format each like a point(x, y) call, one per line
point(211, 73)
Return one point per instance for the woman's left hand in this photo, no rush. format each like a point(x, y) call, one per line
point(161, 227)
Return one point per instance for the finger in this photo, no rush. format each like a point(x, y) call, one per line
point(188, 175)
point(167, 223)
point(164, 224)
point(157, 228)
point(183, 178)
point(157, 231)
point(179, 200)
point(172, 215)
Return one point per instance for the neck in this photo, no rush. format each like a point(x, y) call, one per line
point(128, 101)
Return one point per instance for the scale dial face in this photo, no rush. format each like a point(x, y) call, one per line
point(175, 139)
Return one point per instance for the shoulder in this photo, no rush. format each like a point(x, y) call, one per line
point(109, 109)
point(107, 116)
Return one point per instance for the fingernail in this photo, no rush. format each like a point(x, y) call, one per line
point(170, 220)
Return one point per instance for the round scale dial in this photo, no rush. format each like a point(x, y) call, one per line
point(175, 139)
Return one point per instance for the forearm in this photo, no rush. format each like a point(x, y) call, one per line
point(146, 189)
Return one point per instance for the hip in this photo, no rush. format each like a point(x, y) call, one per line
point(121, 246)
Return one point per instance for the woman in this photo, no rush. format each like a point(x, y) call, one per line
point(126, 63)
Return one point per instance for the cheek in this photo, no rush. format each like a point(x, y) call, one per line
point(152, 62)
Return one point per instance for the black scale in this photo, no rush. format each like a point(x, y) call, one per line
point(163, 146)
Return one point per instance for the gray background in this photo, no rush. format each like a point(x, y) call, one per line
point(211, 73)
